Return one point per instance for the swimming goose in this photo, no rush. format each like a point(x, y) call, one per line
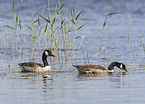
point(37, 67)
point(97, 68)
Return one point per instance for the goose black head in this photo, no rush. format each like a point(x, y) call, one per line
point(122, 66)
point(48, 53)
point(119, 65)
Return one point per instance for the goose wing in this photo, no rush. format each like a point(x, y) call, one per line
point(30, 66)
point(89, 68)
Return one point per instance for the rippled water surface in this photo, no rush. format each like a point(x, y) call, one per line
point(69, 87)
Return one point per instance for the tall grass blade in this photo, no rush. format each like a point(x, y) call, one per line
point(110, 14)
point(29, 27)
point(46, 11)
point(40, 31)
point(53, 21)
point(20, 24)
point(54, 12)
point(81, 26)
point(104, 25)
point(77, 9)
point(10, 27)
point(79, 15)
point(59, 3)
point(12, 9)
point(45, 28)
point(3, 10)
point(36, 21)
point(34, 15)
point(17, 18)
point(44, 18)
point(62, 22)
point(73, 21)
point(99, 52)
point(62, 6)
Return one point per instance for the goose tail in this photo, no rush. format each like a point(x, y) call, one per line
point(20, 64)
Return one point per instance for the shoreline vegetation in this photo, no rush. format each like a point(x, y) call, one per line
point(52, 29)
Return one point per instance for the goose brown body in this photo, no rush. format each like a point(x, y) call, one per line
point(31, 67)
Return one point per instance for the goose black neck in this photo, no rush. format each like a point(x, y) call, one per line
point(44, 59)
point(111, 66)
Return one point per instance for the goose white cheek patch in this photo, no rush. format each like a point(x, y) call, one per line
point(121, 66)
point(46, 53)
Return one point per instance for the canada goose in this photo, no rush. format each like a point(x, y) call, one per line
point(97, 68)
point(37, 67)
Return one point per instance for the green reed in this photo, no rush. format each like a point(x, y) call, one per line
point(104, 24)
point(53, 29)
point(66, 30)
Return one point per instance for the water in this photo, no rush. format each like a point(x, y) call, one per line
point(61, 87)
point(70, 87)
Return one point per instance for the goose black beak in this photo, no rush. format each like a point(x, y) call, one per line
point(125, 70)
point(52, 55)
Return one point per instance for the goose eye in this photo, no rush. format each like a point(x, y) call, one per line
point(46, 53)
